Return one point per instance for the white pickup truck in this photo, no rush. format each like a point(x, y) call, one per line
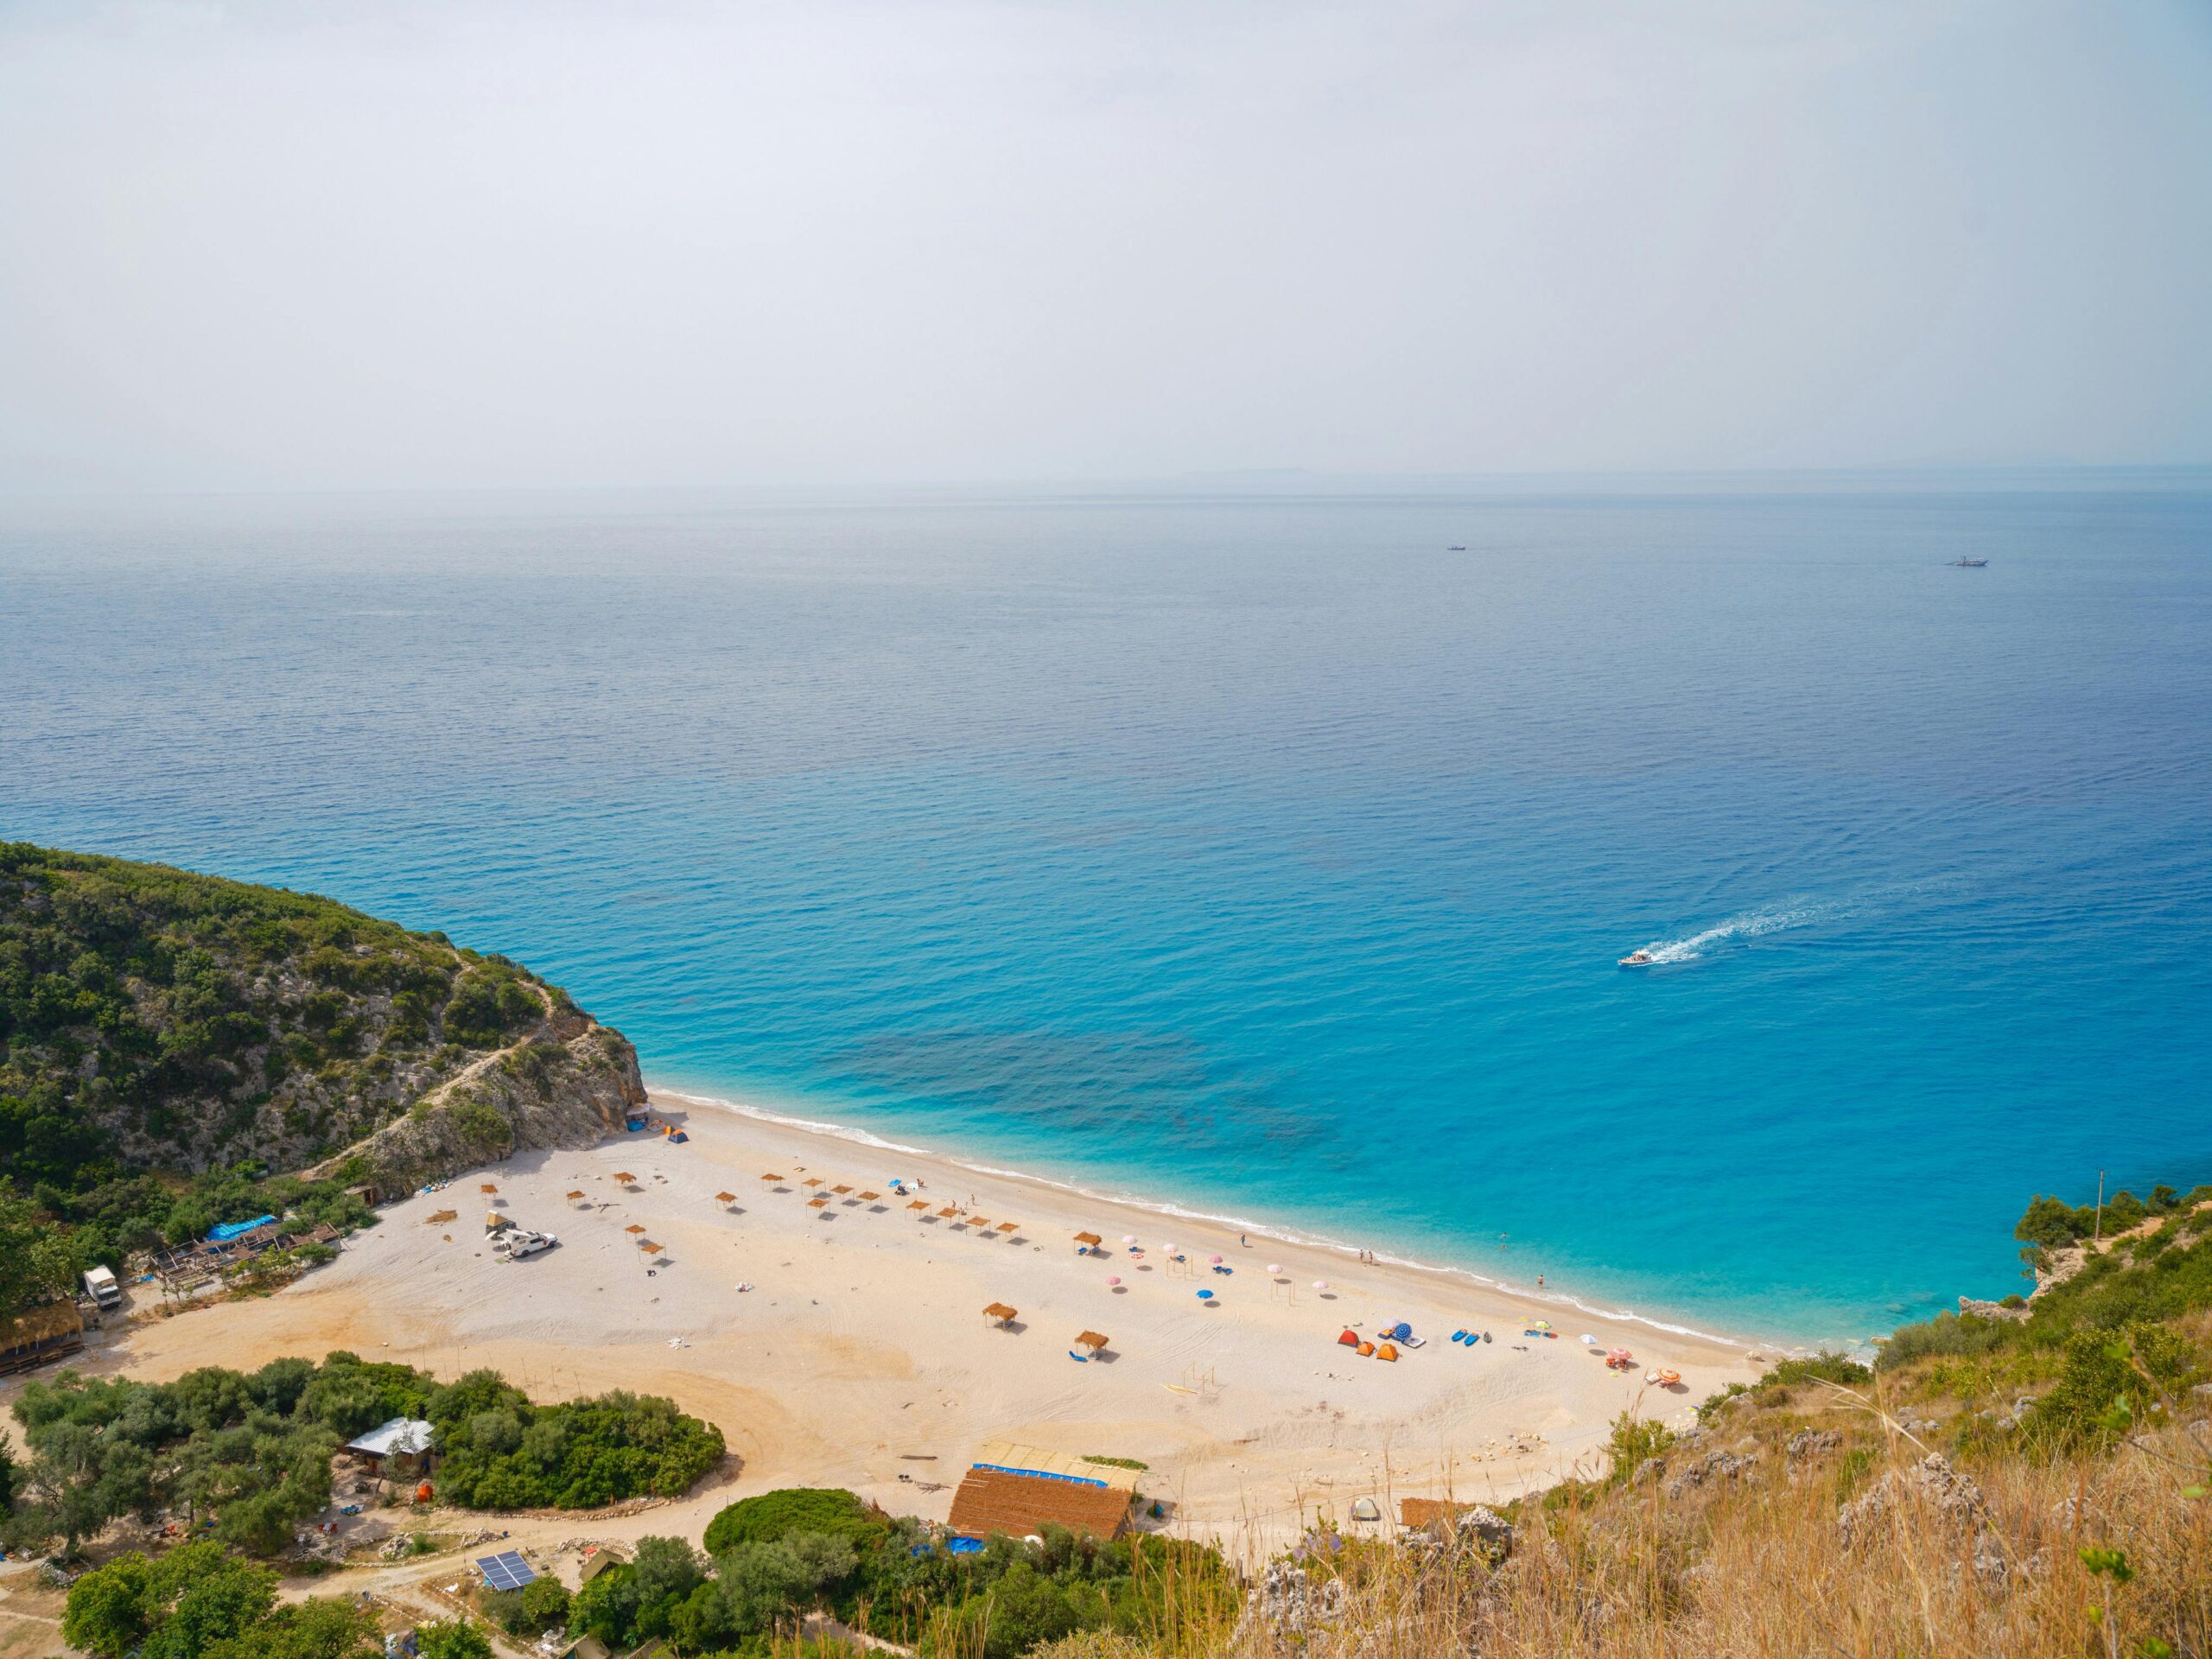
point(516, 1242)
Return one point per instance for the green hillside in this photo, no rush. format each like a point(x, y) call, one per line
point(168, 1039)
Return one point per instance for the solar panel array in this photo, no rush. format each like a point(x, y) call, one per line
point(506, 1571)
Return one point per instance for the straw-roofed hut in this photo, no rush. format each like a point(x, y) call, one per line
point(1092, 1340)
point(1000, 1314)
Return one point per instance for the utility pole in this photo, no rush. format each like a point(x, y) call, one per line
point(2097, 1242)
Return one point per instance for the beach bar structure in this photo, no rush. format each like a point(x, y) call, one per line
point(1019, 1491)
point(40, 1334)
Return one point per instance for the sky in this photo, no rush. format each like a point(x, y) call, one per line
point(385, 245)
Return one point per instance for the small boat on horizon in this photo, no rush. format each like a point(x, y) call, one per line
point(1968, 564)
point(1457, 547)
point(1639, 959)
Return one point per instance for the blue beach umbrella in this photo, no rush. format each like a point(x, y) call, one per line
point(1205, 1295)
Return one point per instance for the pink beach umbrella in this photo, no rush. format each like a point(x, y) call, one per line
point(1113, 1278)
point(1168, 1250)
point(1128, 1238)
point(1214, 1259)
point(1274, 1268)
point(1320, 1284)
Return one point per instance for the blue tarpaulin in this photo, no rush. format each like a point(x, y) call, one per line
point(230, 1230)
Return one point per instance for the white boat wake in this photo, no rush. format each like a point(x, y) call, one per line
point(1749, 926)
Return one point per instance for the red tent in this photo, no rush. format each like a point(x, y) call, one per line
point(1350, 1339)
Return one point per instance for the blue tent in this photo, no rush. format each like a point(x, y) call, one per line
point(230, 1230)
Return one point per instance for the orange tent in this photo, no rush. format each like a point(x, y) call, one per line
point(1386, 1352)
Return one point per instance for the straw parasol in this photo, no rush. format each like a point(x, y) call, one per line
point(1001, 1313)
point(870, 1198)
point(488, 1186)
point(841, 1189)
point(949, 1212)
point(770, 1180)
point(633, 1227)
point(818, 1203)
point(978, 1224)
point(650, 1249)
point(725, 1198)
point(1090, 1339)
point(624, 1175)
point(811, 1180)
point(1090, 1240)
point(1010, 1226)
point(919, 1204)
point(573, 1196)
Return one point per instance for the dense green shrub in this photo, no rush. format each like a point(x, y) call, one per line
point(776, 1515)
point(200, 1602)
point(500, 1451)
point(251, 1453)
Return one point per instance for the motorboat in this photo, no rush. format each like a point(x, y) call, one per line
point(1969, 564)
point(1638, 959)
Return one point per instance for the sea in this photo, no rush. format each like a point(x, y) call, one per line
point(1263, 849)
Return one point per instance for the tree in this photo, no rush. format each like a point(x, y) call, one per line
point(544, 1605)
point(41, 1263)
point(322, 1627)
point(182, 1606)
point(452, 1638)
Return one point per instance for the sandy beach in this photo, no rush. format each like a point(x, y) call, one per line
point(860, 1357)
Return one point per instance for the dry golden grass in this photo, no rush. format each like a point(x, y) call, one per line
point(1756, 1565)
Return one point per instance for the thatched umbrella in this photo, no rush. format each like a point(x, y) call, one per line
point(818, 1203)
point(1010, 1226)
point(633, 1228)
point(870, 1198)
point(1090, 1339)
point(771, 1181)
point(841, 1189)
point(725, 1198)
point(578, 1198)
point(1000, 1314)
point(919, 1204)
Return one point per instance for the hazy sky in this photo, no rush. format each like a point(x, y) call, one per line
point(279, 246)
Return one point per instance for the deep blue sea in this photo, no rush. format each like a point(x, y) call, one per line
point(1258, 854)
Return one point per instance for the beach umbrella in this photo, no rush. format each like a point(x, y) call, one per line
point(1587, 1341)
point(1274, 1268)
point(1113, 1278)
point(1128, 1238)
point(1214, 1259)
point(1205, 1295)
point(1540, 1324)
point(1320, 1284)
point(1168, 1250)
point(633, 1228)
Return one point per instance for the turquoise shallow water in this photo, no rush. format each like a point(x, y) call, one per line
point(1260, 854)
